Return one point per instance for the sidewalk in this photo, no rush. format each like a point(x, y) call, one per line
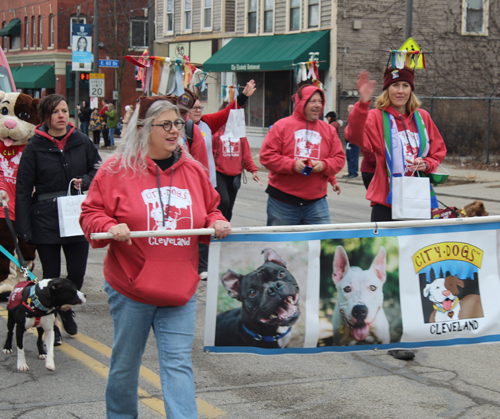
point(484, 184)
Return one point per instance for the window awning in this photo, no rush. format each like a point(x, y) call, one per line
point(265, 53)
point(12, 28)
point(35, 77)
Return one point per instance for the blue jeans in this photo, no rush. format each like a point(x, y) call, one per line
point(174, 332)
point(352, 155)
point(280, 213)
point(84, 127)
point(111, 138)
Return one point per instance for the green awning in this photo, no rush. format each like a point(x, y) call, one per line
point(12, 28)
point(264, 53)
point(35, 77)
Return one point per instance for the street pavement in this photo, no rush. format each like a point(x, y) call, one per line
point(454, 382)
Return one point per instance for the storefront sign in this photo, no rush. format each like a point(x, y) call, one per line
point(245, 67)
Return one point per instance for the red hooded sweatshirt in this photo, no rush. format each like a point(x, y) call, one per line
point(157, 270)
point(365, 128)
point(293, 138)
point(231, 156)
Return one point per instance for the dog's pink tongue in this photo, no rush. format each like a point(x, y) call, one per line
point(8, 142)
point(447, 305)
point(360, 333)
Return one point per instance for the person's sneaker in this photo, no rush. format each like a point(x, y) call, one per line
point(353, 176)
point(407, 355)
point(204, 275)
point(68, 323)
point(57, 336)
point(345, 176)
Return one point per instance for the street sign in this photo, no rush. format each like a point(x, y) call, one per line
point(96, 75)
point(96, 86)
point(109, 63)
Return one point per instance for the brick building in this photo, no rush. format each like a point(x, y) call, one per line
point(37, 43)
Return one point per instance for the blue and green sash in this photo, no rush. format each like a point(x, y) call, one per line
point(394, 153)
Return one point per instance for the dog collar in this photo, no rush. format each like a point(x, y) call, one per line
point(34, 305)
point(441, 309)
point(463, 213)
point(258, 337)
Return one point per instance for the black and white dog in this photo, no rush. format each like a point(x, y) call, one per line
point(269, 305)
point(33, 305)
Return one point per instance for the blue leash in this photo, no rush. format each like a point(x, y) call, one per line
point(21, 264)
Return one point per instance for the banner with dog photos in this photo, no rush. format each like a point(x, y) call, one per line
point(351, 290)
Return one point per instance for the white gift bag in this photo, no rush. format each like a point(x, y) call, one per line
point(69, 209)
point(411, 198)
point(235, 125)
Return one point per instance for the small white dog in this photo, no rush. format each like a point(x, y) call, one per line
point(359, 317)
point(446, 305)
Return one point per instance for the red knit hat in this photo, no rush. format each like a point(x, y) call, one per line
point(392, 76)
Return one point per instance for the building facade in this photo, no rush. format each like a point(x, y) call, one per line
point(37, 43)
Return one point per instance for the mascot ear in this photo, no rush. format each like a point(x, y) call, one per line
point(2, 95)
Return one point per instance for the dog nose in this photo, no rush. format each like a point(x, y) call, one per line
point(275, 289)
point(359, 312)
point(10, 124)
point(446, 293)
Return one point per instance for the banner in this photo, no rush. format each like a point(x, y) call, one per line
point(81, 44)
point(351, 290)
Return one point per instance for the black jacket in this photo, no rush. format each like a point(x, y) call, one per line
point(45, 169)
point(84, 114)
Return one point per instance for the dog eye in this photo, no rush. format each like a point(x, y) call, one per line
point(281, 274)
point(4, 111)
point(23, 115)
point(347, 289)
point(252, 293)
point(373, 287)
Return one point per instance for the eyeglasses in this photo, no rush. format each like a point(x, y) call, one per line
point(198, 108)
point(167, 125)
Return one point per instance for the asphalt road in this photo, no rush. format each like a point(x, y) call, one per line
point(457, 382)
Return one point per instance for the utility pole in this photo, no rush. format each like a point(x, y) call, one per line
point(151, 26)
point(77, 76)
point(409, 19)
point(96, 36)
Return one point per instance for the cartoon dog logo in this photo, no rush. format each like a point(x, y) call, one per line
point(446, 305)
point(359, 316)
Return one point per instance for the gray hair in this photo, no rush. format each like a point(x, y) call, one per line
point(134, 147)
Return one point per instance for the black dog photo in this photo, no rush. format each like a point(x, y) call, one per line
point(261, 292)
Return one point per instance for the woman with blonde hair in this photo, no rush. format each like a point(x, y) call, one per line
point(408, 128)
point(403, 138)
point(151, 184)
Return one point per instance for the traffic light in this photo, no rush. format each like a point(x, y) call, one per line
point(84, 76)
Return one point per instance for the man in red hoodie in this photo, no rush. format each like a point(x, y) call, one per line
point(302, 153)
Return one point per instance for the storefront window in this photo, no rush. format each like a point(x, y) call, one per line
point(254, 108)
point(277, 98)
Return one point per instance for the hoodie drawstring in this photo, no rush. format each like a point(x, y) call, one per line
point(169, 194)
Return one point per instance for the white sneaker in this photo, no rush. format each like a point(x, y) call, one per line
point(204, 275)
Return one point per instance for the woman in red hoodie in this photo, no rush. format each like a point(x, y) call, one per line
point(423, 149)
point(416, 144)
point(151, 282)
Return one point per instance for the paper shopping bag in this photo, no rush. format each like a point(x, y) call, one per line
point(411, 198)
point(235, 125)
point(69, 209)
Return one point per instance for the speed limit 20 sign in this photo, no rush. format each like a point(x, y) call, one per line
point(96, 84)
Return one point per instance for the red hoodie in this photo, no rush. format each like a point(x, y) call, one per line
point(158, 271)
point(365, 128)
point(293, 138)
point(230, 156)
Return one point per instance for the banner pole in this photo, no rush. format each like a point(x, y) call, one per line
point(303, 228)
